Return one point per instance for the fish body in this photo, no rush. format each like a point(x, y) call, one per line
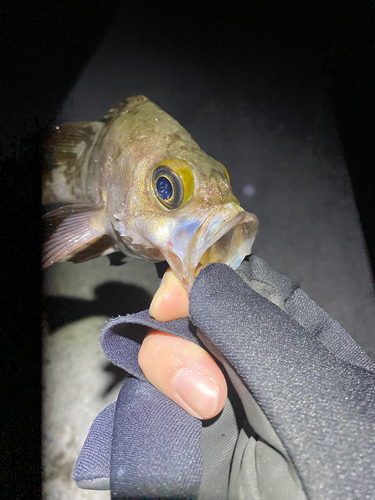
point(137, 182)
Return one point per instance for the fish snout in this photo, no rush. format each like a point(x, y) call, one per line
point(224, 236)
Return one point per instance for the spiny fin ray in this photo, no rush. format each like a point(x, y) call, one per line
point(121, 107)
point(67, 154)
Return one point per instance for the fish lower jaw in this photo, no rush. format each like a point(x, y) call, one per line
point(229, 245)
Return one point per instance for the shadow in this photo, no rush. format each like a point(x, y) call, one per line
point(134, 332)
point(161, 267)
point(352, 94)
point(117, 259)
point(131, 331)
point(118, 376)
point(44, 48)
point(111, 299)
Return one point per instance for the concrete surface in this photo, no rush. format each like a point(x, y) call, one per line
point(281, 149)
point(78, 379)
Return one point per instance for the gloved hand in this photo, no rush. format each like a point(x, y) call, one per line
point(299, 421)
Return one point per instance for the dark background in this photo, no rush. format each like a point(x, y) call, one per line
point(274, 50)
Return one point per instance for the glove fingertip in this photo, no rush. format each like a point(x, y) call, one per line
point(99, 483)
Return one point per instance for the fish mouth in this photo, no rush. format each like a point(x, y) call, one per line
point(226, 238)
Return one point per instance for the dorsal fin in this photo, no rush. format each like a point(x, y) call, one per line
point(121, 107)
point(67, 153)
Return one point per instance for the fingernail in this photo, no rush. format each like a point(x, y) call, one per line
point(199, 392)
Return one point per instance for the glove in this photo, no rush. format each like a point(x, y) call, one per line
point(299, 422)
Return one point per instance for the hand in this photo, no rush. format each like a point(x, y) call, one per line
point(297, 375)
point(180, 369)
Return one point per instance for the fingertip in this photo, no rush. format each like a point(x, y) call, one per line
point(171, 300)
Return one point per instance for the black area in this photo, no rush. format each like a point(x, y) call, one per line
point(118, 376)
point(352, 90)
point(20, 320)
point(111, 299)
point(43, 47)
point(117, 259)
point(161, 267)
point(134, 332)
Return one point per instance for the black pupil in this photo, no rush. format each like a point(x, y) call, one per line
point(164, 188)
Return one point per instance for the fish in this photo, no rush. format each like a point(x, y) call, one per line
point(138, 183)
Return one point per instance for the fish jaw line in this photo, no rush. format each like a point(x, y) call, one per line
point(224, 238)
point(229, 244)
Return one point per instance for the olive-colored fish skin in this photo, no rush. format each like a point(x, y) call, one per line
point(110, 164)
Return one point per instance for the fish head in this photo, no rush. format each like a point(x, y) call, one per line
point(179, 205)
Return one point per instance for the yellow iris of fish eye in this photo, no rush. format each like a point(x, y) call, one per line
point(173, 183)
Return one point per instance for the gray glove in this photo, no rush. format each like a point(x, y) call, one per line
point(299, 421)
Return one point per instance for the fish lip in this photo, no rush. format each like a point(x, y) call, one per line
point(242, 217)
point(188, 260)
point(238, 219)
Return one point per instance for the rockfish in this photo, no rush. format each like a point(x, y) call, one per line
point(138, 183)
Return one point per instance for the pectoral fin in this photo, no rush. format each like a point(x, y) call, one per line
point(76, 232)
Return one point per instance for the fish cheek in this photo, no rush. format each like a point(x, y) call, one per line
point(139, 232)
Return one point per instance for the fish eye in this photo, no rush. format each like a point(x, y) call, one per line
point(173, 183)
point(168, 187)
